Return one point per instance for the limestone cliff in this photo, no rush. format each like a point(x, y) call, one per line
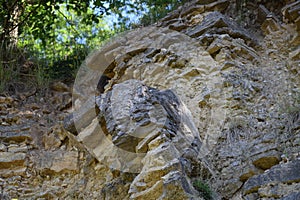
point(204, 104)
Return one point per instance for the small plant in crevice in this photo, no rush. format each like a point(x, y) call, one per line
point(204, 189)
point(41, 77)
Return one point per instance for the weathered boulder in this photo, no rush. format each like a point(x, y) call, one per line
point(149, 132)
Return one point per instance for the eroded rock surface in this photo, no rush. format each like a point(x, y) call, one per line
point(274, 182)
point(210, 93)
point(154, 123)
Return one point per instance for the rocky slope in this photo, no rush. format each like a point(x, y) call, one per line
point(205, 104)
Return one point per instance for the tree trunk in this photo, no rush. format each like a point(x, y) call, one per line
point(10, 30)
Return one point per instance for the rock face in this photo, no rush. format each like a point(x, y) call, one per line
point(267, 184)
point(154, 130)
point(203, 104)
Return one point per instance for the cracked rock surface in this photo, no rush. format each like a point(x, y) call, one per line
point(203, 104)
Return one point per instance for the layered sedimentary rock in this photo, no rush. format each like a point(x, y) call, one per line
point(226, 82)
point(203, 104)
point(155, 137)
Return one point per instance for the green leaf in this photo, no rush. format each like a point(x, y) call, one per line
point(98, 3)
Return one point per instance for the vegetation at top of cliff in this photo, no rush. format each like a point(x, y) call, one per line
point(50, 38)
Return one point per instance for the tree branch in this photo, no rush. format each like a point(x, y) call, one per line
point(68, 21)
point(25, 18)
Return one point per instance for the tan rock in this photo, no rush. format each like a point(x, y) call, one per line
point(291, 11)
point(295, 55)
point(65, 162)
point(56, 162)
point(60, 87)
point(12, 164)
point(270, 26)
point(266, 162)
point(280, 174)
point(16, 137)
point(10, 160)
point(51, 141)
point(7, 100)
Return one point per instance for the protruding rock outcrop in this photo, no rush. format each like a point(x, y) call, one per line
point(203, 104)
point(225, 76)
point(274, 183)
point(143, 120)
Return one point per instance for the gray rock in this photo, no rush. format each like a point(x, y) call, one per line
point(141, 119)
point(292, 196)
point(130, 124)
point(17, 137)
point(283, 173)
point(217, 23)
point(82, 117)
point(55, 162)
point(11, 160)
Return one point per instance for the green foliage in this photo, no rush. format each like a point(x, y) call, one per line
point(204, 189)
point(41, 77)
point(57, 35)
point(158, 9)
point(4, 77)
point(68, 44)
point(241, 10)
point(10, 67)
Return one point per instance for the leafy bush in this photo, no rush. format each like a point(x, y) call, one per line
point(55, 36)
point(204, 189)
